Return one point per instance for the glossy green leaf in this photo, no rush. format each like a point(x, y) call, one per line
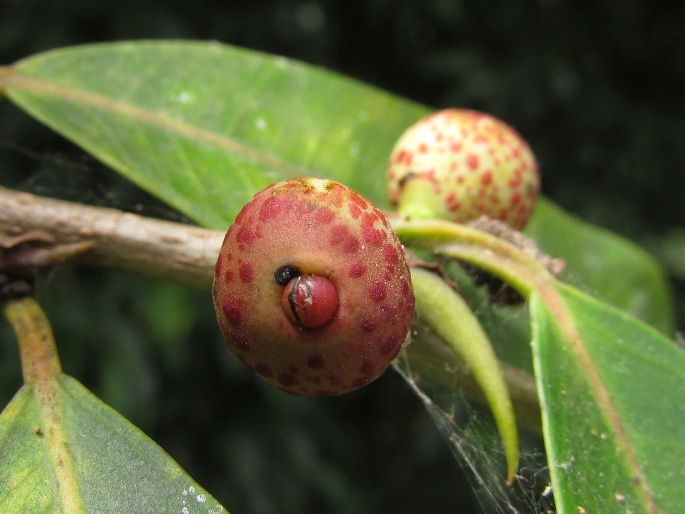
point(612, 268)
point(613, 401)
point(116, 468)
point(204, 126)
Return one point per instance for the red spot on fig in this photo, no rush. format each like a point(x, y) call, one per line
point(240, 341)
point(245, 237)
point(472, 161)
point(246, 272)
point(355, 211)
point(271, 209)
point(356, 270)
point(264, 370)
point(316, 361)
point(341, 236)
point(359, 200)
point(377, 291)
point(389, 345)
point(404, 158)
point(390, 254)
point(368, 325)
point(324, 216)
point(232, 311)
point(404, 287)
point(218, 268)
point(372, 236)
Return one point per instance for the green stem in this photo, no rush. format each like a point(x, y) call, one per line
point(39, 359)
point(42, 370)
point(446, 313)
point(488, 252)
point(418, 200)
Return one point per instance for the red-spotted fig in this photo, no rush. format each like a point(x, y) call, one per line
point(311, 289)
point(460, 164)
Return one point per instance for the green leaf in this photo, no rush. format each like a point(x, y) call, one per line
point(204, 126)
point(115, 467)
point(605, 265)
point(613, 400)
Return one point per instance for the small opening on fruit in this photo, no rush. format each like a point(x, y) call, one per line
point(285, 274)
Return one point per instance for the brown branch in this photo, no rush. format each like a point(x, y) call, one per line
point(186, 255)
point(159, 249)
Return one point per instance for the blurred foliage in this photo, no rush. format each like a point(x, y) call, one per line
point(595, 87)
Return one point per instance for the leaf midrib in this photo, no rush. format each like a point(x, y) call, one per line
point(17, 80)
point(554, 301)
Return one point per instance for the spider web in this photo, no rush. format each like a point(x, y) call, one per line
point(469, 429)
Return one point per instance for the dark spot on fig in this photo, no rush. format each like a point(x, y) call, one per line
point(264, 370)
point(316, 361)
point(286, 379)
point(285, 274)
point(240, 341)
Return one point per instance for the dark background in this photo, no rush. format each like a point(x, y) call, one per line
point(596, 87)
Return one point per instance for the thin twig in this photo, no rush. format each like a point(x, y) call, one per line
point(159, 249)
